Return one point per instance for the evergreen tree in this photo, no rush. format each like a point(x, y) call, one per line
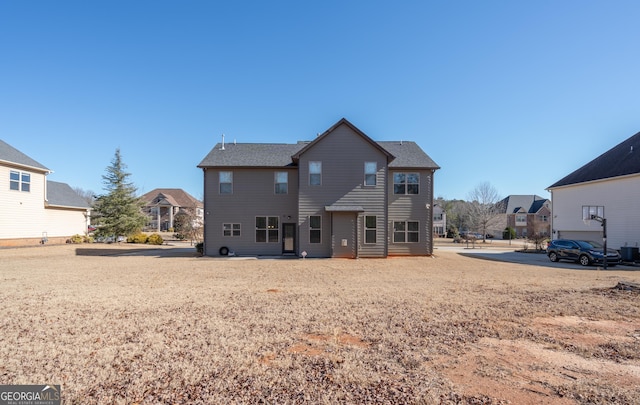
point(119, 211)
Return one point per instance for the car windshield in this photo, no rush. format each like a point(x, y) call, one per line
point(588, 244)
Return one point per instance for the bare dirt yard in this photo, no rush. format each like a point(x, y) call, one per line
point(141, 325)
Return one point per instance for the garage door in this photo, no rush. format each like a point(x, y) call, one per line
point(595, 236)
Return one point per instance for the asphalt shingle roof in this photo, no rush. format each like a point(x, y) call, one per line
point(176, 196)
point(402, 154)
point(621, 160)
point(407, 155)
point(62, 195)
point(12, 155)
point(251, 155)
point(530, 203)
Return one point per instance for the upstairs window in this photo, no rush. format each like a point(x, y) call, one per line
point(315, 173)
point(406, 183)
point(589, 210)
point(282, 182)
point(370, 170)
point(226, 182)
point(19, 181)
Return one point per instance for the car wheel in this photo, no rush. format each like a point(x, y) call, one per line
point(584, 260)
point(553, 257)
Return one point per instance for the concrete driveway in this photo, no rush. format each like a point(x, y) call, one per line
point(503, 252)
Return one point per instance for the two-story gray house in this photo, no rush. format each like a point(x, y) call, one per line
point(340, 195)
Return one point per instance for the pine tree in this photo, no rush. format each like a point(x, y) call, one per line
point(119, 211)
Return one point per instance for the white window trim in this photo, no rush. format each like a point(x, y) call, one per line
point(220, 183)
point(315, 229)
point(370, 229)
point(275, 182)
point(320, 174)
point(231, 229)
point(20, 181)
point(406, 231)
point(374, 174)
point(406, 183)
point(267, 229)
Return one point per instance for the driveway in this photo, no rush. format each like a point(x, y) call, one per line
point(506, 253)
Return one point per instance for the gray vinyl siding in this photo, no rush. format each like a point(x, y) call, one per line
point(412, 207)
point(342, 153)
point(253, 195)
point(344, 235)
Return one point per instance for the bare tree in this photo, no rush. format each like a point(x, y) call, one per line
point(483, 207)
point(188, 225)
point(88, 195)
point(539, 236)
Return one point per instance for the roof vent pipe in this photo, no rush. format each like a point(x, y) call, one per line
point(222, 147)
point(631, 151)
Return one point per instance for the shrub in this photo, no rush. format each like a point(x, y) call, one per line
point(155, 239)
point(200, 247)
point(77, 238)
point(452, 231)
point(87, 239)
point(508, 233)
point(138, 238)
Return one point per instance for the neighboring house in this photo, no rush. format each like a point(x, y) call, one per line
point(609, 187)
point(163, 204)
point(340, 195)
point(32, 209)
point(439, 221)
point(528, 215)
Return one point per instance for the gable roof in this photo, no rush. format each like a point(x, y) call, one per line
point(621, 160)
point(529, 203)
point(400, 154)
point(12, 155)
point(175, 196)
point(326, 133)
point(62, 195)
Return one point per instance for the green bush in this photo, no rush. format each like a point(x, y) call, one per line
point(155, 239)
point(200, 247)
point(509, 233)
point(138, 238)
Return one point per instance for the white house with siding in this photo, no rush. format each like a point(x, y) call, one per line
point(34, 210)
point(608, 187)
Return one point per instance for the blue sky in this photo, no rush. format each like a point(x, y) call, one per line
point(517, 94)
